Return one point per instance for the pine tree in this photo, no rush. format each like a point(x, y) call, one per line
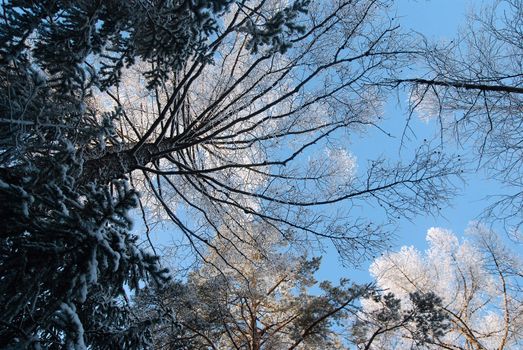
point(65, 250)
point(256, 292)
point(258, 299)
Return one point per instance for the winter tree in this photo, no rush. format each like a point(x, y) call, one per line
point(267, 298)
point(473, 85)
point(257, 299)
point(260, 129)
point(418, 317)
point(478, 281)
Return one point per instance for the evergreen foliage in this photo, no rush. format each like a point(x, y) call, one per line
point(76, 40)
point(270, 299)
point(259, 301)
point(420, 316)
point(65, 250)
point(72, 39)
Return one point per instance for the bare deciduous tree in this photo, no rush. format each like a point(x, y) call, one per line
point(473, 85)
point(264, 135)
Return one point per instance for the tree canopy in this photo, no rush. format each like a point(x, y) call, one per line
point(231, 120)
point(478, 280)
